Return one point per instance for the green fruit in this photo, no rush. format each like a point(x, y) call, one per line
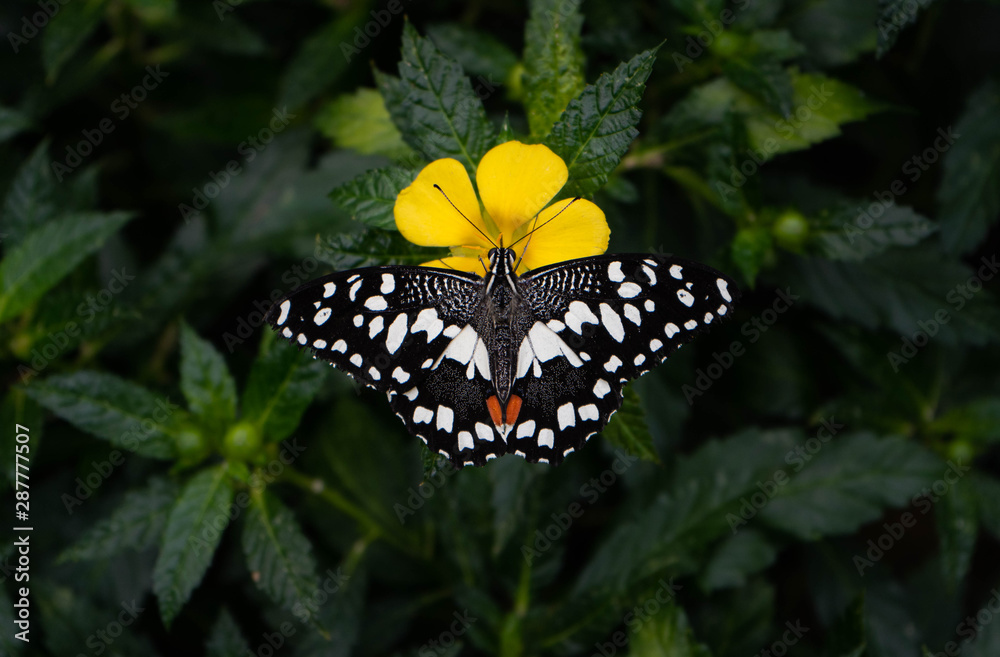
point(790, 230)
point(242, 442)
point(191, 444)
point(961, 451)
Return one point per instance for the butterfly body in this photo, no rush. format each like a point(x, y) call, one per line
point(532, 365)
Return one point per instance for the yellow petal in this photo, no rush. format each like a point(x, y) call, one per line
point(580, 230)
point(460, 263)
point(425, 217)
point(517, 180)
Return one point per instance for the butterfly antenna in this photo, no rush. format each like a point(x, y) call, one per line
point(437, 187)
point(535, 228)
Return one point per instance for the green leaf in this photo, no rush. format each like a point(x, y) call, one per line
point(154, 12)
point(321, 60)
point(478, 52)
point(899, 289)
point(31, 198)
point(50, 252)
point(765, 79)
point(371, 197)
point(136, 524)
point(282, 384)
point(190, 539)
point(745, 554)
point(835, 32)
point(851, 231)
point(374, 247)
point(205, 380)
point(12, 123)
point(444, 116)
point(987, 640)
point(278, 553)
point(988, 489)
point(969, 195)
point(957, 518)
point(226, 638)
point(628, 429)
point(847, 482)
point(361, 122)
point(667, 634)
point(977, 422)
point(698, 10)
point(553, 62)
point(893, 17)
point(67, 31)
point(113, 409)
point(598, 125)
point(750, 249)
point(847, 636)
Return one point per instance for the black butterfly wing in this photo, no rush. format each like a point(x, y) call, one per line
point(404, 331)
point(600, 322)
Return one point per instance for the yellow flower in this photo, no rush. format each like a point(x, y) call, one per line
point(516, 182)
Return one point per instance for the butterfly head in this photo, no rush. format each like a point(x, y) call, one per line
point(502, 261)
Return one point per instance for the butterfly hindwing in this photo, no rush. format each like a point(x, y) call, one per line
point(381, 325)
point(600, 322)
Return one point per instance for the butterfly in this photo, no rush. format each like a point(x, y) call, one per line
point(482, 366)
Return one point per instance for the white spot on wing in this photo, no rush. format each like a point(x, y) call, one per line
point(340, 346)
point(375, 326)
point(480, 360)
point(427, 320)
point(356, 360)
point(632, 313)
point(722, 310)
point(708, 318)
point(677, 272)
point(376, 303)
point(388, 284)
point(464, 441)
point(397, 331)
point(328, 290)
point(565, 416)
point(639, 360)
point(629, 290)
point(615, 272)
point(287, 332)
point(484, 432)
point(685, 297)
point(462, 346)
point(451, 331)
point(612, 321)
point(411, 394)
point(690, 324)
point(320, 318)
point(649, 274)
point(319, 344)
point(374, 373)
point(401, 375)
point(579, 314)
point(555, 325)
point(302, 338)
point(359, 320)
point(285, 305)
point(445, 418)
point(671, 330)
point(588, 412)
point(354, 290)
point(613, 364)
point(601, 388)
point(526, 429)
point(649, 305)
point(422, 415)
point(655, 345)
point(546, 438)
point(723, 289)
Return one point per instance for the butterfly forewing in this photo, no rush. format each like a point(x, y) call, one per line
point(600, 322)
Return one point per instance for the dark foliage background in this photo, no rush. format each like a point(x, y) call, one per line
point(818, 476)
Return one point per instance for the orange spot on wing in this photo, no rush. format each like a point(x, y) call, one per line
point(493, 404)
point(513, 409)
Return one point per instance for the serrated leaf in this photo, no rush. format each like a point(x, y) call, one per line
point(765, 79)
point(67, 31)
point(361, 122)
point(31, 198)
point(374, 247)
point(226, 639)
point(190, 539)
point(900, 289)
point(278, 553)
point(893, 17)
point(745, 554)
point(113, 409)
point(282, 384)
point(444, 116)
point(50, 252)
point(12, 123)
point(969, 195)
point(598, 125)
point(851, 231)
point(628, 428)
point(553, 62)
point(205, 380)
point(371, 197)
point(848, 482)
point(957, 518)
point(668, 633)
point(478, 52)
point(136, 524)
point(342, 616)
